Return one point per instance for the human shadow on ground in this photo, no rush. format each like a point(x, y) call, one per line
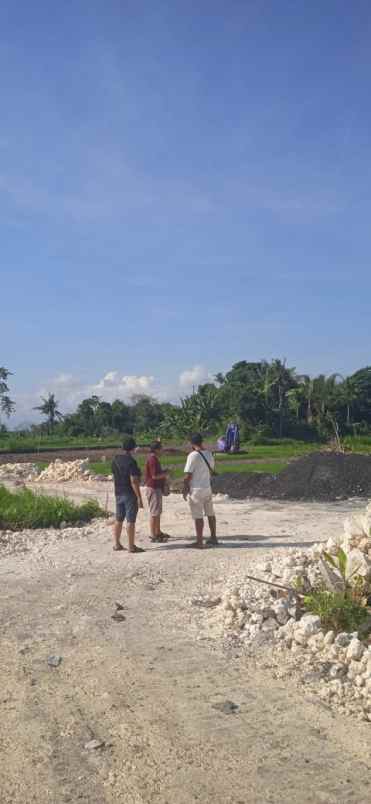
point(239, 545)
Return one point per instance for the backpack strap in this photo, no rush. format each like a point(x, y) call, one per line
point(212, 472)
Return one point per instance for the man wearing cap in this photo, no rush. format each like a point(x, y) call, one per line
point(155, 477)
point(126, 477)
point(197, 488)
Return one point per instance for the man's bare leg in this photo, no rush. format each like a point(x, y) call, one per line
point(130, 530)
point(199, 525)
point(155, 526)
point(212, 526)
point(117, 529)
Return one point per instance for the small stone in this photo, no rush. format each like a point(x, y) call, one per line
point(207, 603)
point(54, 661)
point(93, 745)
point(312, 677)
point(329, 637)
point(310, 624)
point(270, 624)
point(342, 640)
point(118, 617)
point(355, 650)
point(337, 670)
point(226, 707)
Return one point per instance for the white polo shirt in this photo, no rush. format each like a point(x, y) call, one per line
point(196, 466)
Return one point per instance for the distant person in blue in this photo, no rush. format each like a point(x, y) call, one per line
point(126, 477)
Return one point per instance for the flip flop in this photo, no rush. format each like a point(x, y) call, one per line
point(194, 545)
point(160, 539)
point(136, 549)
point(212, 542)
point(118, 547)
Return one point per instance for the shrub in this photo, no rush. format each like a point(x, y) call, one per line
point(337, 611)
point(25, 509)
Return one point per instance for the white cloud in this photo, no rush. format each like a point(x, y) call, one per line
point(194, 376)
point(70, 390)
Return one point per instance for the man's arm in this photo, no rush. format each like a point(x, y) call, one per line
point(135, 484)
point(187, 476)
point(187, 485)
point(153, 465)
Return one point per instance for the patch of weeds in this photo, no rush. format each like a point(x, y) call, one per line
point(337, 610)
point(25, 509)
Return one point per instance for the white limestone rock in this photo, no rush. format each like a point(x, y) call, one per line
point(355, 650)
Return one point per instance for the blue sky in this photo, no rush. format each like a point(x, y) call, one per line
point(182, 185)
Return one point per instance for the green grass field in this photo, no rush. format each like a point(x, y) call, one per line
point(177, 467)
point(13, 442)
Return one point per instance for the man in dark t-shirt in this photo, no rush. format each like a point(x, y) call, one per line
point(126, 478)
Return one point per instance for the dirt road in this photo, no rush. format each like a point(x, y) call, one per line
point(147, 686)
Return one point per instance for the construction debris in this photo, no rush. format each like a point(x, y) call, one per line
point(18, 471)
point(61, 471)
point(263, 615)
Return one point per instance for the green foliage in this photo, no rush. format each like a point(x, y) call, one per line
point(337, 611)
point(49, 408)
point(344, 609)
point(202, 411)
point(6, 404)
point(339, 562)
point(25, 509)
point(268, 399)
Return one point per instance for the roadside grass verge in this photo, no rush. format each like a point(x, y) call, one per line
point(25, 509)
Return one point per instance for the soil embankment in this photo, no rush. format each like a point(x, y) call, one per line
point(322, 476)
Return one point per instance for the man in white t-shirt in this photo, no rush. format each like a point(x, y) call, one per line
point(197, 488)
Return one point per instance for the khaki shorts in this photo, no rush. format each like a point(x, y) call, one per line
point(154, 500)
point(201, 503)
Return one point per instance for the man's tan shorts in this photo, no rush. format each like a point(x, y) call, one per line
point(201, 503)
point(154, 499)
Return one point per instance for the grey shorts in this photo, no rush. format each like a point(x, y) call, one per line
point(126, 508)
point(154, 499)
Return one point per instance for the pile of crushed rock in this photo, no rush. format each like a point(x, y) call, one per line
point(38, 539)
point(322, 476)
point(57, 471)
point(335, 666)
point(61, 471)
point(18, 471)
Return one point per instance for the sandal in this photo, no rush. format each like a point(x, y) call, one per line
point(136, 549)
point(118, 547)
point(195, 545)
point(212, 542)
point(160, 539)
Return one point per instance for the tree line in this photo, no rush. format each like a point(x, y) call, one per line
point(267, 399)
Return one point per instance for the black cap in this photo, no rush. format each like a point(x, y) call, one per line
point(196, 439)
point(129, 444)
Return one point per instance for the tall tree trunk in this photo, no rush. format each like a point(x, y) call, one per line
point(348, 415)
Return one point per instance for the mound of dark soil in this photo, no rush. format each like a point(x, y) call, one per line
point(320, 476)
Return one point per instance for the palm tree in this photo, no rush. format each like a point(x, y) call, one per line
point(49, 408)
point(306, 385)
point(279, 379)
point(324, 393)
point(348, 394)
